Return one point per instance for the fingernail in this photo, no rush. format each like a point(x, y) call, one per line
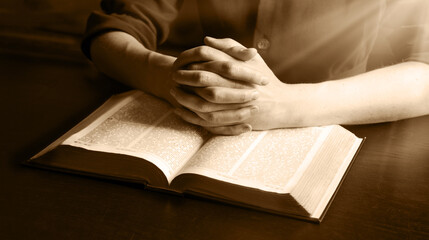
point(254, 109)
point(255, 95)
point(251, 51)
point(244, 50)
point(264, 81)
point(209, 39)
point(247, 128)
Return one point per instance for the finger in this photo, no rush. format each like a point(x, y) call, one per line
point(221, 43)
point(242, 54)
point(216, 119)
point(233, 71)
point(198, 104)
point(193, 118)
point(227, 117)
point(199, 54)
point(227, 95)
point(231, 47)
point(196, 78)
point(230, 130)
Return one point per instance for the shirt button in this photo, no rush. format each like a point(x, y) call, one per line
point(263, 44)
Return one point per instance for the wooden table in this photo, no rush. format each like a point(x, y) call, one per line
point(384, 196)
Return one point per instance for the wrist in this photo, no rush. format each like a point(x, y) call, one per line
point(298, 106)
point(158, 73)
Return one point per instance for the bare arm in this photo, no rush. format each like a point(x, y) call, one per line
point(122, 57)
point(395, 92)
point(387, 94)
point(391, 93)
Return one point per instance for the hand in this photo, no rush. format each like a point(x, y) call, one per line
point(197, 89)
point(225, 83)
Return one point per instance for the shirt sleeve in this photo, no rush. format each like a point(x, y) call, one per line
point(408, 30)
point(146, 20)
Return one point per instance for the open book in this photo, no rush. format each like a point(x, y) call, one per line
point(136, 137)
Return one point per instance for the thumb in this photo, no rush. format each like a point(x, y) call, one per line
point(231, 47)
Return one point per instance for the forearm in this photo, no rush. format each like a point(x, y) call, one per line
point(388, 94)
point(123, 58)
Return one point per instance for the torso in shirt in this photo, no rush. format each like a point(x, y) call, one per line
point(302, 40)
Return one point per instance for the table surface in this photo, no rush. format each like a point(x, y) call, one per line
point(384, 196)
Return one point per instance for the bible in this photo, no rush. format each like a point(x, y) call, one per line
point(136, 137)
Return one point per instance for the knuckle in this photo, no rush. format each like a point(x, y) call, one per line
point(230, 41)
point(203, 107)
point(227, 67)
point(202, 50)
point(211, 94)
point(211, 117)
point(202, 78)
point(241, 116)
point(245, 96)
point(191, 66)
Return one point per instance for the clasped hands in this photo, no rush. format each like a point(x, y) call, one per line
point(228, 89)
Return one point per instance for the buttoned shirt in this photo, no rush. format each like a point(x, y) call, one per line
point(302, 41)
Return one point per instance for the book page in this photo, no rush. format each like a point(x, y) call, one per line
point(145, 127)
point(267, 160)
